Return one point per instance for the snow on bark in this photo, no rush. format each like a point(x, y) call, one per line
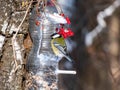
point(4, 26)
point(18, 51)
point(2, 39)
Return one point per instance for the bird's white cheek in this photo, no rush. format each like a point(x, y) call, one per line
point(60, 55)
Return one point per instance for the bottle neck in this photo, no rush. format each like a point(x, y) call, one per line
point(47, 31)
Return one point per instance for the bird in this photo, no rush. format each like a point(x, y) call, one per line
point(59, 47)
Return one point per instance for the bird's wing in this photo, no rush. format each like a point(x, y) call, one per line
point(62, 50)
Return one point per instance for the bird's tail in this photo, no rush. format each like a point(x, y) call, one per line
point(68, 58)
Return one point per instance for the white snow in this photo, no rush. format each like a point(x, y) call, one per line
point(2, 39)
point(13, 28)
point(4, 26)
point(18, 51)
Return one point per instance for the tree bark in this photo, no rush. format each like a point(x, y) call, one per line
point(114, 50)
point(11, 76)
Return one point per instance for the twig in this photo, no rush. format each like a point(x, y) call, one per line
point(14, 36)
point(23, 19)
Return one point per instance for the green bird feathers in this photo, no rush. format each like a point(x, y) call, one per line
point(59, 48)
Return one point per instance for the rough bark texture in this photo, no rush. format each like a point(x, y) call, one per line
point(11, 14)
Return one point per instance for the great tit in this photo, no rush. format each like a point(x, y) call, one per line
point(58, 45)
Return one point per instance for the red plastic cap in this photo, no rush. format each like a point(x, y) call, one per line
point(65, 33)
point(62, 14)
point(70, 33)
point(68, 20)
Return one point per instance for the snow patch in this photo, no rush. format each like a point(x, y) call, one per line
point(2, 39)
point(12, 29)
point(4, 26)
point(18, 51)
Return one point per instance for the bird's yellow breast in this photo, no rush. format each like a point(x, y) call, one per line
point(59, 41)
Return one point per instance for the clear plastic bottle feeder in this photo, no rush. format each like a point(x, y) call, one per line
point(42, 63)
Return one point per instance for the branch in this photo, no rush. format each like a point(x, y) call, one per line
point(101, 22)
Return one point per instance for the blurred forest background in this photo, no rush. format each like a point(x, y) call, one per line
point(97, 64)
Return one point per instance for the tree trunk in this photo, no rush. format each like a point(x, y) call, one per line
point(11, 14)
point(114, 50)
